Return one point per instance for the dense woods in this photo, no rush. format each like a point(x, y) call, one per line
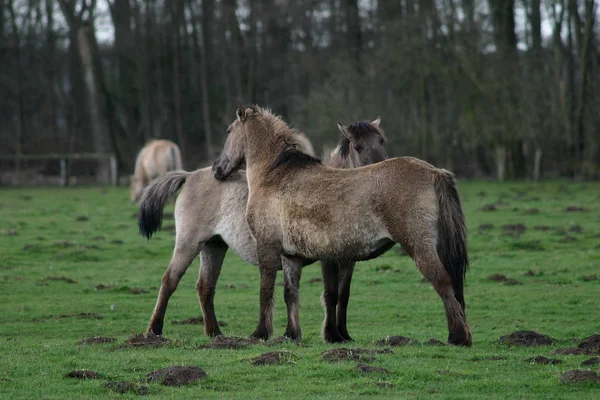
point(486, 88)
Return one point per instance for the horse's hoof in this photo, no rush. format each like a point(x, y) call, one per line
point(295, 336)
point(260, 334)
point(334, 337)
point(154, 331)
point(214, 333)
point(460, 339)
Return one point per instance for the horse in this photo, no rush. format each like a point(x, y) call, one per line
point(210, 218)
point(156, 158)
point(299, 209)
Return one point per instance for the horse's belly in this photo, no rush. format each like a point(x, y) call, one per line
point(239, 239)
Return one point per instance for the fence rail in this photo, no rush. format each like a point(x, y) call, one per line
point(62, 158)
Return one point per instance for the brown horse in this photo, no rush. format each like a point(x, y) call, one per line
point(299, 209)
point(210, 218)
point(156, 158)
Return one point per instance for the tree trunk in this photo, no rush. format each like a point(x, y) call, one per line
point(500, 162)
point(99, 124)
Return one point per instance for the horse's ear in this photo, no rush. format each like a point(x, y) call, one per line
point(376, 122)
point(241, 113)
point(344, 130)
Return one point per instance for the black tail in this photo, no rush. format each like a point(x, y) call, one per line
point(452, 233)
point(154, 199)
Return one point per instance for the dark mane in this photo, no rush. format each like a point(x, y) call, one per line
point(294, 158)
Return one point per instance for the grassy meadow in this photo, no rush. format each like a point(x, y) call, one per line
point(73, 266)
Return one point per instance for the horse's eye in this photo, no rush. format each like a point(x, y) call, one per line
point(358, 148)
point(381, 141)
point(228, 131)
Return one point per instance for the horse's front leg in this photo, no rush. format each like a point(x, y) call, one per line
point(344, 280)
point(268, 261)
point(329, 298)
point(211, 260)
point(292, 272)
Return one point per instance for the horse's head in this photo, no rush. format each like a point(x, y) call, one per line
point(233, 155)
point(365, 139)
point(137, 187)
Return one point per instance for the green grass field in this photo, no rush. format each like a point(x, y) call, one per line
point(89, 235)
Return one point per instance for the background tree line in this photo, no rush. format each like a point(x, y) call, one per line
point(486, 88)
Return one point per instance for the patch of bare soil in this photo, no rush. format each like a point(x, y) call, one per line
point(396, 341)
point(82, 218)
point(135, 290)
point(177, 375)
point(576, 376)
point(369, 369)
point(383, 385)
point(488, 207)
point(485, 227)
point(195, 321)
point(569, 351)
point(434, 342)
point(343, 354)
point(58, 279)
point(542, 228)
point(146, 340)
point(526, 338)
point(273, 358)
point(83, 374)
point(127, 387)
point(231, 342)
point(591, 344)
point(575, 209)
point(567, 239)
point(576, 229)
point(104, 287)
point(531, 211)
point(588, 278)
point(97, 340)
point(543, 360)
point(591, 361)
point(514, 230)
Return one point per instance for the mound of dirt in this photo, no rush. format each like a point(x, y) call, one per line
point(575, 209)
point(504, 280)
point(97, 340)
point(177, 375)
point(529, 273)
point(190, 321)
point(591, 344)
point(231, 342)
point(343, 354)
point(488, 207)
point(369, 369)
point(485, 227)
point(127, 387)
point(576, 229)
point(526, 338)
point(434, 342)
point(83, 374)
point(543, 360)
point(589, 278)
point(146, 340)
point(569, 351)
point(136, 290)
point(273, 358)
point(513, 229)
point(591, 362)
point(396, 341)
point(58, 279)
point(82, 218)
point(104, 287)
point(575, 376)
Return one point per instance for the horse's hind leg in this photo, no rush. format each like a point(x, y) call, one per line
point(211, 260)
point(344, 281)
point(268, 260)
point(182, 258)
point(330, 273)
point(292, 271)
point(428, 262)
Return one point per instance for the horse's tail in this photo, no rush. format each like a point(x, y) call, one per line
point(155, 197)
point(452, 232)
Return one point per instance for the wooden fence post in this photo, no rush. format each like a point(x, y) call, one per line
point(114, 176)
point(64, 174)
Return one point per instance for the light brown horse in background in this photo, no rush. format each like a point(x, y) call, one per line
point(156, 158)
point(210, 218)
point(299, 209)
